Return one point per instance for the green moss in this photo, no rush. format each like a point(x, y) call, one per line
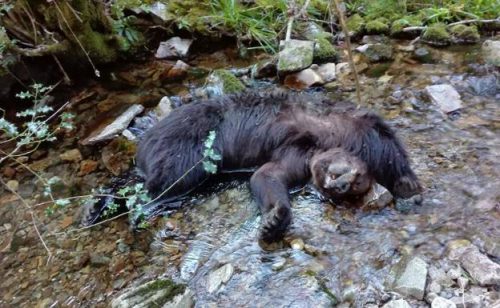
point(436, 35)
point(230, 84)
point(324, 50)
point(97, 46)
point(465, 34)
point(355, 23)
point(398, 25)
point(379, 25)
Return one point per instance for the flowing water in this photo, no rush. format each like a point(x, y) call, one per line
point(347, 252)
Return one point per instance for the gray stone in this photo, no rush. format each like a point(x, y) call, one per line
point(445, 96)
point(491, 52)
point(116, 127)
point(376, 52)
point(470, 301)
point(434, 287)
point(265, 68)
point(296, 55)
point(441, 302)
point(163, 108)
point(129, 135)
point(303, 79)
point(480, 267)
point(327, 72)
point(219, 276)
point(400, 303)
point(377, 197)
point(423, 55)
point(410, 275)
point(454, 273)
point(174, 48)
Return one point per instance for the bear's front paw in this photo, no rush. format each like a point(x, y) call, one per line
point(406, 187)
point(275, 223)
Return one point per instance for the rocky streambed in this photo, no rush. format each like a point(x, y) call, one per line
point(444, 253)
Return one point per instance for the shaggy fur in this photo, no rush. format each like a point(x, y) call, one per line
point(272, 132)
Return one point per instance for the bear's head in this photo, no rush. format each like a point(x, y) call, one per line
point(338, 174)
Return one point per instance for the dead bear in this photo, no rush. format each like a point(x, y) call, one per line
point(288, 144)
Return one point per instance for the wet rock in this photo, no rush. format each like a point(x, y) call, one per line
point(378, 197)
point(175, 47)
point(278, 264)
point(480, 267)
point(295, 55)
point(297, 244)
point(265, 68)
point(376, 52)
point(445, 96)
point(399, 303)
point(221, 82)
point(441, 302)
point(129, 135)
point(463, 34)
point(408, 277)
point(13, 185)
point(178, 72)
point(303, 79)
point(470, 301)
point(87, 166)
point(436, 35)
point(423, 55)
point(156, 293)
point(73, 155)
point(115, 128)
point(164, 107)
point(491, 52)
point(219, 276)
point(327, 72)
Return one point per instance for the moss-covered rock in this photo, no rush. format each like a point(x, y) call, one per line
point(296, 55)
point(462, 34)
point(324, 51)
point(436, 35)
point(398, 25)
point(223, 82)
point(379, 25)
point(376, 52)
point(355, 24)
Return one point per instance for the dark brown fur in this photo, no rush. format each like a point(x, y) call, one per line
point(278, 136)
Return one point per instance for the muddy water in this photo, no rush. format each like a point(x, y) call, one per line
point(347, 253)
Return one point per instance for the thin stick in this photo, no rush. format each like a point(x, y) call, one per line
point(33, 219)
point(349, 52)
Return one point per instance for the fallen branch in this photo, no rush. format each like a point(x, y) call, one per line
point(462, 22)
point(43, 50)
point(475, 21)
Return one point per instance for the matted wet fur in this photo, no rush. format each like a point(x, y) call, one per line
point(275, 133)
